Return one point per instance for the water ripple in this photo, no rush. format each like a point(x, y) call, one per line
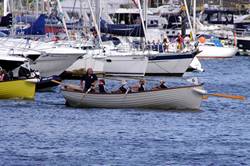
point(46, 132)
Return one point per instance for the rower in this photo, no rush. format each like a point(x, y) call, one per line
point(123, 88)
point(162, 85)
point(139, 87)
point(102, 86)
point(90, 80)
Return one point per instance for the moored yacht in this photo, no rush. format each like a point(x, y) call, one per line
point(45, 57)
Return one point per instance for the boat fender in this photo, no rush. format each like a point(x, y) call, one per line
point(33, 80)
point(200, 91)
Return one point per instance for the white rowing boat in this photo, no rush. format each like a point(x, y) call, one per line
point(186, 97)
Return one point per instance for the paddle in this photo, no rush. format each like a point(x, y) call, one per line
point(236, 97)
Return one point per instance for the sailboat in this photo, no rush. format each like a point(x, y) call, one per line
point(109, 60)
point(48, 59)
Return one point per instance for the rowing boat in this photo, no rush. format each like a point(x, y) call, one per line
point(185, 97)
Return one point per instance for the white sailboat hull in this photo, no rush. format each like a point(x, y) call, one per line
point(53, 64)
point(175, 98)
point(87, 61)
point(216, 52)
point(175, 65)
point(52, 60)
point(125, 65)
point(122, 65)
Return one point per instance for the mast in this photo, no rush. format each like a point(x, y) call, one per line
point(188, 16)
point(42, 6)
point(146, 15)
point(81, 13)
point(221, 3)
point(142, 20)
point(11, 5)
point(95, 23)
point(5, 7)
point(194, 20)
point(37, 7)
point(63, 18)
point(98, 12)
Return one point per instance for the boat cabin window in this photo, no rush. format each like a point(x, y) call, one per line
point(153, 23)
point(213, 17)
point(126, 18)
point(217, 17)
point(209, 44)
point(174, 22)
point(73, 14)
point(86, 47)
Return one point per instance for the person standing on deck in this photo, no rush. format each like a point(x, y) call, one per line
point(90, 81)
point(180, 41)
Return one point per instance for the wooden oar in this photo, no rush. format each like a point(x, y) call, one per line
point(236, 97)
point(74, 87)
point(57, 82)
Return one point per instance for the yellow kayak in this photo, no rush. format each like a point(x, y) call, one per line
point(18, 89)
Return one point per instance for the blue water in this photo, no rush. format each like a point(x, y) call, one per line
point(46, 132)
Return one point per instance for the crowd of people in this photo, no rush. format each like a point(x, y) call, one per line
point(90, 84)
point(164, 46)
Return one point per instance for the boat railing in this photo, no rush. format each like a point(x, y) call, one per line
point(241, 32)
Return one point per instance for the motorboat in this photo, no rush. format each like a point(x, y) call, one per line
point(212, 47)
point(16, 88)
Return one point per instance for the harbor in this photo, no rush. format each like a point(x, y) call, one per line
point(46, 132)
point(143, 83)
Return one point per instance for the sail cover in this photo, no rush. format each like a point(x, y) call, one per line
point(134, 30)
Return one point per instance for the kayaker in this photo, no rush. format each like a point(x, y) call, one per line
point(90, 81)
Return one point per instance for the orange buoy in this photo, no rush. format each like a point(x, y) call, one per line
point(202, 39)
